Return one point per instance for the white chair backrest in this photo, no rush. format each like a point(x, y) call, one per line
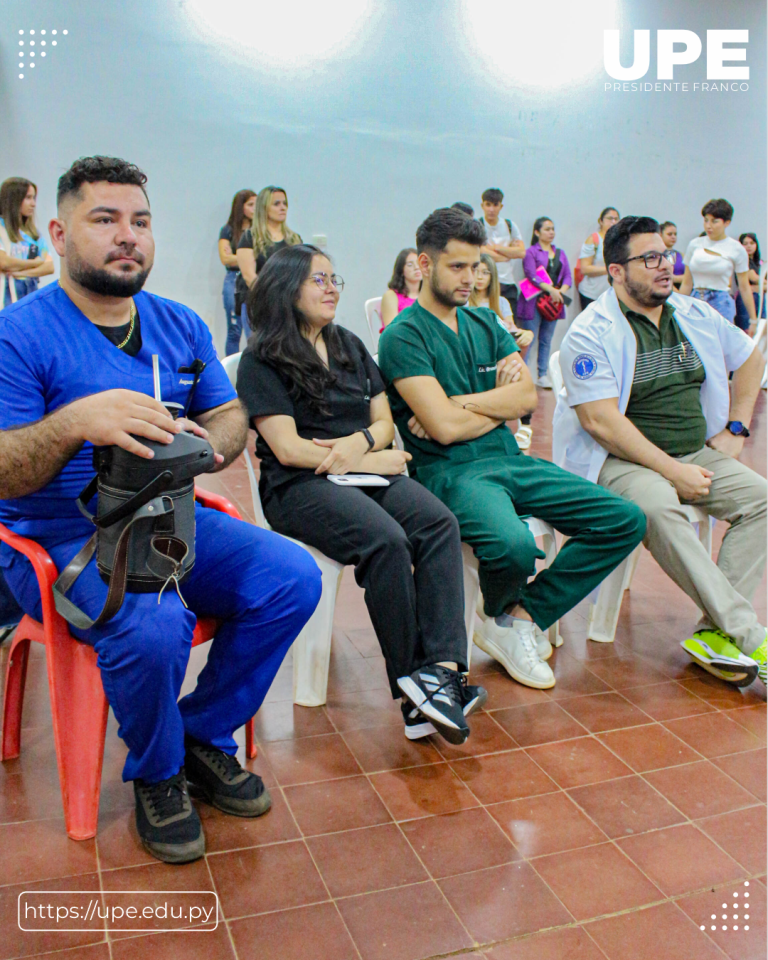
point(230, 365)
point(373, 316)
point(555, 373)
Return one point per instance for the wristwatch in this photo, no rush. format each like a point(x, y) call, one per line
point(369, 437)
point(737, 428)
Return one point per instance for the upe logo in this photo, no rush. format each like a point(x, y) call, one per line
point(688, 50)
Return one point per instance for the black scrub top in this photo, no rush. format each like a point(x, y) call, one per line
point(265, 391)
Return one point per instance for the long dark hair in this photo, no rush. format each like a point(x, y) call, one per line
point(754, 262)
point(397, 282)
point(280, 329)
point(537, 225)
point(13, 192)
point(235, 222)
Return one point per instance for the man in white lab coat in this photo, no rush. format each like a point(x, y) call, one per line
point(647, 413)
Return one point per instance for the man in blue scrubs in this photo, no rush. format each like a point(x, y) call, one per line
point(76, 371)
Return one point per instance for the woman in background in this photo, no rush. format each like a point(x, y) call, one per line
point(24, 255)
point(403, 287)
point(591, 265)
point(750, 244)
point(318, 404)
point(240, 217)
point(669, 236)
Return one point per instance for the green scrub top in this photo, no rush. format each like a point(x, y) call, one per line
point(418, 344)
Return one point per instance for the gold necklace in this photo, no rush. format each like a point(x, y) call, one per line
point(130, 329)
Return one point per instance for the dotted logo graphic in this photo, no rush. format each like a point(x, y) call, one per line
point(33, 45)
point(743, 915)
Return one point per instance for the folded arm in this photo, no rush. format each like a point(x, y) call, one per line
point(44, 269)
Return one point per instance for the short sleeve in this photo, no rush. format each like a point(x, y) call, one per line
point(737, 346)
point(740, 258)
point(226, 233)
point(587, 374)
point(515, 231)
point(213, 387)
point(506, 310)
point(505, 342)
point(587, 250)
point(261, 389)
point(245, 241)
point(689, 252)
point(21, 387)
point(402, 353)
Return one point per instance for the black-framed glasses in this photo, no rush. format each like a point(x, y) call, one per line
point(652, 261)
point(324, 281)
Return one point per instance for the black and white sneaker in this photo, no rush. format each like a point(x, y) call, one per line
point(218, 778)
point(472, 698)
point(416, 724)
point(437, 693)
point(168, 824)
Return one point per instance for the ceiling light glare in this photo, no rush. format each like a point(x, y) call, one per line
point(295, 37)
point(524, 45)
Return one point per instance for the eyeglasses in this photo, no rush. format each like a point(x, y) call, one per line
point(653, 260)
point(325, 282)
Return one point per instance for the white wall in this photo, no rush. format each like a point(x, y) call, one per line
point(409, 110)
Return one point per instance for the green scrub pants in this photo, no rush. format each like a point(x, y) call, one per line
point(488, 498)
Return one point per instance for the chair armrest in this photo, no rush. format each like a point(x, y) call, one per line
point(207, 499)
point(45, 571)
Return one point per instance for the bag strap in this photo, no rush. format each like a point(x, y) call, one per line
point(117, 582)
point(5, 242)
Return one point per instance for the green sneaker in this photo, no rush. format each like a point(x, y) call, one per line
point(760, 656)
point(717, 654)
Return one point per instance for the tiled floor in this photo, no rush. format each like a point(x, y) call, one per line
point(607, 819)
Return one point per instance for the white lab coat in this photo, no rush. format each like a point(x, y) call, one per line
point(597, 359)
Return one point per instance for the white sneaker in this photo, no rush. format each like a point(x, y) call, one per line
point(544, 382)
point(515, 649)
point(523, 436)
point(543, 646)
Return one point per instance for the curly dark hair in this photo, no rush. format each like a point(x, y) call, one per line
point(720, 209)
point(447, 224)
point(616, 243)
point(98, 170)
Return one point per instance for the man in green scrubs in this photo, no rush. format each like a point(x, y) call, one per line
point(454, 378)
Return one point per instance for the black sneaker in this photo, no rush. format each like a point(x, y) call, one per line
point(416, 724)
point(436, 691)
point(168, 824)
point(472, 697)
point(218, 778)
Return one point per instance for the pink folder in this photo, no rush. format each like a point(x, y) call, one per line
point(530, 290)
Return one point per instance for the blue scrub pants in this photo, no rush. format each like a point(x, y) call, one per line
point(261, 585)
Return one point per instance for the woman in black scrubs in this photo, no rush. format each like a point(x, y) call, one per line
point(317, 400)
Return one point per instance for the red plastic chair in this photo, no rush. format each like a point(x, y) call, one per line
point(78, 703)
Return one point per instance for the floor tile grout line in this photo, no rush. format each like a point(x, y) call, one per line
point(224, 919)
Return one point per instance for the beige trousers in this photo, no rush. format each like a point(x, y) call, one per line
point(722, 591)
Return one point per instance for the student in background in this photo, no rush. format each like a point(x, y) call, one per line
point(669, 236)
point(537, 314)
point(591, 275)
point(485, 293)
point(269, 233)
point(403, 286)
point(463, 208)
point(503, 242)
point(317, 401)
point(750, 244)
point(240, 217)
point(24, 255)
point(712, 260)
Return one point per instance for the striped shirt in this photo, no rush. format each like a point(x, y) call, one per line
point(665, 402)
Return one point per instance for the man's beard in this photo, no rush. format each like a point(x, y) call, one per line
point(100, 281)
point(644, 296)
point(442, 296)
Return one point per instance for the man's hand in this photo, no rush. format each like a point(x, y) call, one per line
point(386, 462)
point(417, 430)
point(691, 481)
point(345, 454)
point(509, 370)
point(725, 442)
point(109, 418)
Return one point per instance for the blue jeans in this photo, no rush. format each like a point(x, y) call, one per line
point(234, 331)
point(742, 317)
point(234, 326)
point(260, 585)
point(543, 331)
point(721, 300)
point(24, 287)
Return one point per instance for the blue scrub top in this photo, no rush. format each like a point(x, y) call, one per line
point(51, 354)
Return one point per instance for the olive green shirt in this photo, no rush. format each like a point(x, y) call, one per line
point(665, 401)
point(417, 344)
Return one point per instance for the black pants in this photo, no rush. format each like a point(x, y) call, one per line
point(405, 547)
point(585, 301)
point(511, 292)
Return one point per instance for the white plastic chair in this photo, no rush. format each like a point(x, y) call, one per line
point(312, 647)
point(604, 610)
point(761, 338)
point(373, 316)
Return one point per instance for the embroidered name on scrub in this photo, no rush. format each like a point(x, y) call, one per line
point(487, 368)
